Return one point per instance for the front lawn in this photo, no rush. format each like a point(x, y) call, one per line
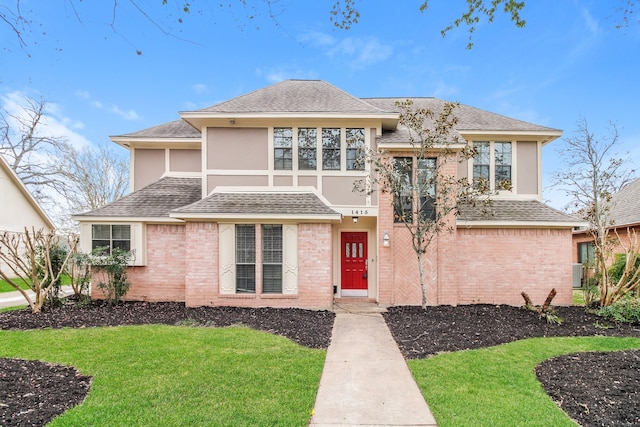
point(6, 287)
point(497, 386)
point(168, 375)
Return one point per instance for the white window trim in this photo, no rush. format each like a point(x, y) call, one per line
point(227, 260)
point(138, 239)
point(492, 166)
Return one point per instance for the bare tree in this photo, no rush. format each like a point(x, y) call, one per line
point(94, 176)
point(28, 256)
point(592, 173)
point(422, 179)
point(29, 149)
point(57, 173)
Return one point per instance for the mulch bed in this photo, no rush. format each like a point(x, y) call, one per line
point(419, 334)
point(594, 389)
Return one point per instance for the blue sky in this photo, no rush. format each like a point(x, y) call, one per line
point(568, 63)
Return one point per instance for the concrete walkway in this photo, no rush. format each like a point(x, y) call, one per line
point(365, 381)
point(15, 298)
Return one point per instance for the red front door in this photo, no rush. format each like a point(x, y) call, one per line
point(353, 269)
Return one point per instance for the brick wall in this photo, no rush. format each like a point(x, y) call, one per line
point(496, 265)
point(162, 279)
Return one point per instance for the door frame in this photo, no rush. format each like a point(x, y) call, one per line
point(355, 292)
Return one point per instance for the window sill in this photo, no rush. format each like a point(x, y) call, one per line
point(238, 296)
point(278, 296)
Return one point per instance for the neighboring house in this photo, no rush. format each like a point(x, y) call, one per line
point(624, 215)
point(18, 208)
point(250, 202)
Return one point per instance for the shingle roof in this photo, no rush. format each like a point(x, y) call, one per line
point(174, 129)
point(469, 118)
point(154, 200)
point(625, 205)
point(259, 203)
point(515, 211)
point(296, 96)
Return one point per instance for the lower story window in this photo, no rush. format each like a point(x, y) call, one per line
point(245, 258)
point(272, 259)
point(107, 237)
point(586, 253)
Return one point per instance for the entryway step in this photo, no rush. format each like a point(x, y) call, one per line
point(357, 305)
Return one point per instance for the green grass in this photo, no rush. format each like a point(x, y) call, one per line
point(497, 386)
point(578, 297)
point(169, 375)
point(6, 287)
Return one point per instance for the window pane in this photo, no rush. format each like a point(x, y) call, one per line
point(481, 161)
point(331, 149)
point(360, 250)
point(355, 149)
point(245, 243)
point(426, 182)
point(246, 278)
point(125, 245)
point(101, 231)
point(121, 232)
point(354, 254)
point(347, 251)
point(503, 163)
point(101, 244)
point(272, 258)
point(272, 279)
point(307, 148)
point(283, 148)
point(403, 195)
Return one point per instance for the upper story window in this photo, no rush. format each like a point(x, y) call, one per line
point(355, 149)
point(307, 148)
point(282, 148)
point(502, 152)
point(495, 169)
point(423, 187)
point(331, 148)
point(110, 236)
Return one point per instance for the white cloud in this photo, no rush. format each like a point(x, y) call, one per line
point(200, 88)
point(278, 74)
point(590, 22)
point(361, 51)
point(131, 114)
point(54, 123)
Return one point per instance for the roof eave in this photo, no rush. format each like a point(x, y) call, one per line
point(461, 223)
point(255, 216)
point(545, 136)
point(130, 142)
point(111, 219)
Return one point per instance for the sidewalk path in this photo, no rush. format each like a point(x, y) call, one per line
point(15, 298)
point(365, 380)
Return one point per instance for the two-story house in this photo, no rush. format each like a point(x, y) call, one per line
point(250, 202)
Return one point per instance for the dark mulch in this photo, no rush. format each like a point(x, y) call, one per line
point(33, 393)
point(419, 334)
point(595, 389)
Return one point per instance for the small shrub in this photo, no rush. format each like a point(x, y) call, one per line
point(114, 266)
point(626, 310)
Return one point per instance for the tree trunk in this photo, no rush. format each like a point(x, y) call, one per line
point(423, 286)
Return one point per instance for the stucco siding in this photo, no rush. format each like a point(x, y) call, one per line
point(527, 164)
point(185, 160)
point(148, 166)
point(237, 148)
